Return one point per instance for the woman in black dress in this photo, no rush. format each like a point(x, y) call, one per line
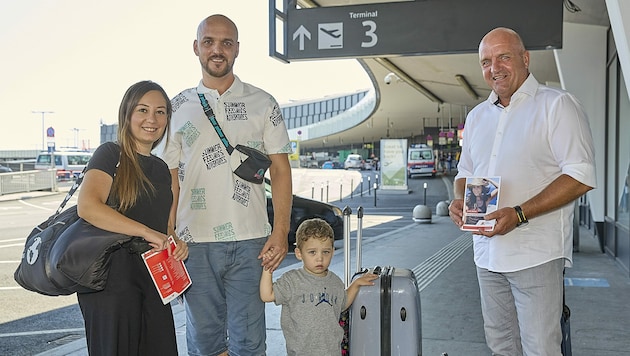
point(127, 190)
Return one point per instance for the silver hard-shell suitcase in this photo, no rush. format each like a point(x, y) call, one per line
point(384, 319)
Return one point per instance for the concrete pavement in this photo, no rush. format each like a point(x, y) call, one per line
point(441, 257)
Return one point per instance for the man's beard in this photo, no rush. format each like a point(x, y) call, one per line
point(208, 67)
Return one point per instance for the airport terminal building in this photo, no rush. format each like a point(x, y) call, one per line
point(593, 63)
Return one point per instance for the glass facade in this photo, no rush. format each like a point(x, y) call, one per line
point(616, 231)
point(623, 214)
point(298, 115)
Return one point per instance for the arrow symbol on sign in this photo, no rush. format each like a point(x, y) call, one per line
point(301, 32)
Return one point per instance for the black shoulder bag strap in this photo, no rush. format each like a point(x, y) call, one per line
point(72, 190)
point(210, 114)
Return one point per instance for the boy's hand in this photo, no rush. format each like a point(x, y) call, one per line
point(366, 279)
point(267, 257)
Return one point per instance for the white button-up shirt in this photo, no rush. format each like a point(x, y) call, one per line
point(542, 134)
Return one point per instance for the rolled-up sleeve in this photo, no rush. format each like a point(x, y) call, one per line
point(571, 140)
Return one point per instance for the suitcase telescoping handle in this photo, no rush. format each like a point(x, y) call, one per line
point(347, 271)
point(347, 212)
point(359, 246)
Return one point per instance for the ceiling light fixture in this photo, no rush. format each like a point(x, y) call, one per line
point(464, 83)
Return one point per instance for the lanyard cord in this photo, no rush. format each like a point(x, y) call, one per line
point(210, 114)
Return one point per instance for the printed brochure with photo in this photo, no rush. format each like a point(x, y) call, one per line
point(481, 197)
point(169, 276)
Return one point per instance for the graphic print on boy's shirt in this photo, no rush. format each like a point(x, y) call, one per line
point(317, 298)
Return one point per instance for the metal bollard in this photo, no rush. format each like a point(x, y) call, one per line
point(425, 194)
point(351, 188)
point(374, 194)
point(340, 191)
point(321, 192)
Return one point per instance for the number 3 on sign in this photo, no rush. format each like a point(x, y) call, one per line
point(371, 33)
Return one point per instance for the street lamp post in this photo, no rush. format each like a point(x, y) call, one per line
point(43, 129)
point(76, 136)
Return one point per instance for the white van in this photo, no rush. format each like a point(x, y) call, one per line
point(354, 161)
point(420, 160)
point(69, 164)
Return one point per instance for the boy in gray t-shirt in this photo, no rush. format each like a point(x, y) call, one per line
point(312, 297)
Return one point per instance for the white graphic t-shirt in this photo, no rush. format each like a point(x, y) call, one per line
point(214, 204)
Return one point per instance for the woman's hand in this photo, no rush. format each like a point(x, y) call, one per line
point(157, 240)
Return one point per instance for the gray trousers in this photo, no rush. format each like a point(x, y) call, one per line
point(521, 310)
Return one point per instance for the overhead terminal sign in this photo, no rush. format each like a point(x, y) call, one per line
point(417, 27)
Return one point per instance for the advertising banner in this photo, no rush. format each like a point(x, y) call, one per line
point(394, 164)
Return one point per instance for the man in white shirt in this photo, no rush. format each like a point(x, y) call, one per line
point(222, 216)
point(537, 139)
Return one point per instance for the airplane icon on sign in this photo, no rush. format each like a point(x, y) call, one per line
point(331, 35)
point(335, 33)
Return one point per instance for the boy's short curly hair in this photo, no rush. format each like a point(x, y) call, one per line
point(313, 228)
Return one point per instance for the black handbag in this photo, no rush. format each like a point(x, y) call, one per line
point(65, 254)
point(33, 272)
point(247, 163)
point(253, 164)
point(82, 254)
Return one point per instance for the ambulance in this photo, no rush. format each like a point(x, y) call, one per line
point(420, 160)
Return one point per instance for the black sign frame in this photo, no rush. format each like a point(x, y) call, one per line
point(411, 28)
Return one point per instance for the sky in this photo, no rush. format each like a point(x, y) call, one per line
point(74, 59)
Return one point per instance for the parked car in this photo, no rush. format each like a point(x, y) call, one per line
point(354, 161)
point(4, 169)
point(310, 163)
point(303, 209)
point(331, 165)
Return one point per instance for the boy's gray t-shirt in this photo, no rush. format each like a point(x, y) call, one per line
point(311, 307)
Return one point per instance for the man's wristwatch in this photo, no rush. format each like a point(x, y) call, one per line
point(522, 220)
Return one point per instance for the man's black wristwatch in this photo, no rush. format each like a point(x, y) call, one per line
point(522, 220)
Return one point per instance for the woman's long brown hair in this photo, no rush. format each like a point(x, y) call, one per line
point(130, 181)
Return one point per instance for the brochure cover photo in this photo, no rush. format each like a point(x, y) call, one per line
point(481, 197)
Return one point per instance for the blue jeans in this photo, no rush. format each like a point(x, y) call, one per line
point(522, 309)
point(224, 299)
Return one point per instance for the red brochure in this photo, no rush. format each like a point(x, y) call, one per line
point(169, 275)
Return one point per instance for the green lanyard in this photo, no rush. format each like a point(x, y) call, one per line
point(210, 114)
